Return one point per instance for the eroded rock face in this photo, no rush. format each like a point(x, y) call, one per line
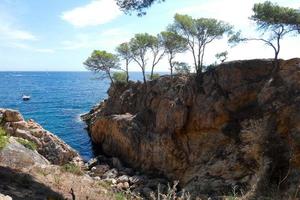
point(49, 145)
point(234, 127)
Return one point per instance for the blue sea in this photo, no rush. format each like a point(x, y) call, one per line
point(57, 101)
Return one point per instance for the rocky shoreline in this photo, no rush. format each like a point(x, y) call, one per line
point(51, 154)
point(232, 133)
point(48, 145)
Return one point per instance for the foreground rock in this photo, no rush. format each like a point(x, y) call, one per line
point(35, 164)
point(48, 145)
point(233, 129)
point(16, 156)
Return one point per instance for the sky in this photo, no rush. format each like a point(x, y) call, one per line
point(55, 35)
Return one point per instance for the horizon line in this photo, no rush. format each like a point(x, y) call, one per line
point(70, 71)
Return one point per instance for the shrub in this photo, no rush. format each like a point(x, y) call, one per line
point(28, 144)
point(182, 68)
point(120, 196)
point(72, 168)
point(155, 76)
point(120, 77)
point(3, 138)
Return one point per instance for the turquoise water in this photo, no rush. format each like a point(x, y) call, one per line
point(57, 100)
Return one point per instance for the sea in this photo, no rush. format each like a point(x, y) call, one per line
point(57, 101)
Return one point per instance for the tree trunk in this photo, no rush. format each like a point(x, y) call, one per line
point(199, 70)
point(109, 75)
point(152, 70)
point(127, 73)
point(144, 76)
point(171, 66)
point(202, 58)
point(276, 62)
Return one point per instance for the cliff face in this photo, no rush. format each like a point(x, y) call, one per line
point(234, 127)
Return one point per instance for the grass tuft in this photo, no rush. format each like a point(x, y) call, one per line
point(72, 168)
point(28, 144)
point(120, 196)
point(3, 138)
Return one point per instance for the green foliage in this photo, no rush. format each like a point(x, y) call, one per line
point(153, 77)
point(236, 38)
point(173, 43)
point(222, 56)
point(128, 6)
point(72, 168)
point(139, 46)
point(102, 61)
point(210, 67)
point(120, 77)
point(269, 15)
point(125, 53)
point(182, 68)
point(141, 41)
point(3, 138)
point(157, 50)
point(28, 144)
point(278, 21)
point(120, 196)
point(199, 33)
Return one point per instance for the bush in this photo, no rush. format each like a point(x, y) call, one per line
point(28, 144)
point(72, 168)
point(182, 68)
point(3, 138)
point(120, 196)
point(210, 67)
point(155, 76)
point(120, 77)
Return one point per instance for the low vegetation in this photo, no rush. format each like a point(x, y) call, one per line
point(72, 168)
point(28, 144)
point(120, 77)
point(3, 138)
point(153, 77)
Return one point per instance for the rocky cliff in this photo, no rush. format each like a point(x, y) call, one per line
point(234, 129)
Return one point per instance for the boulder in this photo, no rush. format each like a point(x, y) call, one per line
point(122, 179)
point(113, 173)
point(12, 116)
point(5, 197)
point(16, 156)
point(100, 170)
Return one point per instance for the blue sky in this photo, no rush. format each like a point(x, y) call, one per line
point(52, 35)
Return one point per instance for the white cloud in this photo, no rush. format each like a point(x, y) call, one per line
point(13, 37)
point(95, 13)
point(107, 39)
point(7, 32)
point(31, 48)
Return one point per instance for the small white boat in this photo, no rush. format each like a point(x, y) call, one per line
point(25, 98)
